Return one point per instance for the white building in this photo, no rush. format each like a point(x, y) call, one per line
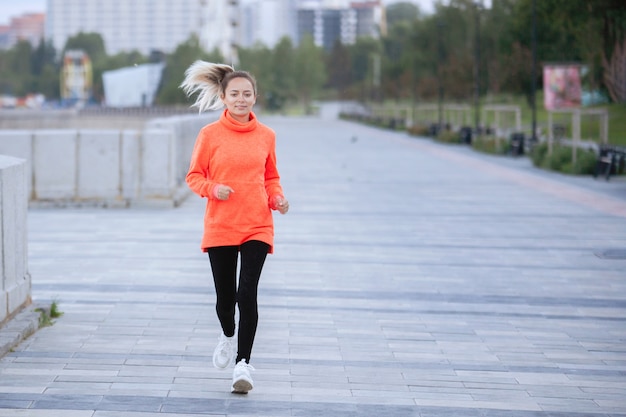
point(345, 20)
point(267, 21)
point(145, 25)
point(162, 25)
point(132, 86)
point(219, 23)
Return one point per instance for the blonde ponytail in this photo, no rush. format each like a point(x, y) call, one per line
point(206, 78)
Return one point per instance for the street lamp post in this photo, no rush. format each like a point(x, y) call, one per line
point(533, 73)
point(439, 75)
point(477, 6)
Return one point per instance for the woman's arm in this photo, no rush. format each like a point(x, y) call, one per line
point(198, 175)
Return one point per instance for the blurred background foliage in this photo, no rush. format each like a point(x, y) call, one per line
point(417, 56)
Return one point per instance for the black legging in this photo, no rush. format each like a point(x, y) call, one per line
point(224, 267)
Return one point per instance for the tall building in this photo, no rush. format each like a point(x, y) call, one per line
point(162, 25)
point(5, 37)
point(145, 25)
point(371, 19)
point(27, 27)
point(266, 22)
point(330, 20)
point(219, 26)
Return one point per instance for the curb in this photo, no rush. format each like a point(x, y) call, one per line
point(19, 328)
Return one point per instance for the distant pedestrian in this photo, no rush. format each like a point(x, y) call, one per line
point(233, 166)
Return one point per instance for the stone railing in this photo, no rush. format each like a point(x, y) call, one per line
point(16, 284)
point(109, 168)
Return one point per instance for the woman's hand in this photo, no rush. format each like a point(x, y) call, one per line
point(222, 192)
point(281, 204)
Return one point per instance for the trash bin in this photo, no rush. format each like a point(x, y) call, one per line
point(517, 144)
point(433, 130)
point(605, 164)
point(466, 134)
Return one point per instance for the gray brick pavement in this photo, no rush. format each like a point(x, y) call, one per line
point(409, 279)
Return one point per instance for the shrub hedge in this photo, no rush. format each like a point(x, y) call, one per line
point(561, 159)
point(491, 144)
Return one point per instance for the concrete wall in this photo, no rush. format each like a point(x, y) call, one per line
point(186, 129)
point(71, 166)
point(15, 280)
point(110, 168)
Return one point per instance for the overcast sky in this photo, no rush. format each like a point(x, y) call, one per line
point(12, 8)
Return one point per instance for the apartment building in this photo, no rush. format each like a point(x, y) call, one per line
point(27, 27)
point(267, 21)
point(330, 20)
point(145, 25)
point(162, 25)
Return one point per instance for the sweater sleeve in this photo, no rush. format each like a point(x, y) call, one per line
point(272, 178)
point(198, 175)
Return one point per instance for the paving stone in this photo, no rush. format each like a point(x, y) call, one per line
point(45, 413)
point(410, 278)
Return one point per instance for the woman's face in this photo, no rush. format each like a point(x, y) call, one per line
point(239, 98)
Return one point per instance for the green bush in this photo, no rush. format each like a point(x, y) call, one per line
point(561, 159)
point(561, 155)
point(538, 153)
point(585, 163)
point(419, 130)
point(491, 145)
point(448, 136)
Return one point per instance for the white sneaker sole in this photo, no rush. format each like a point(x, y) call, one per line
point(242, 386)
point(216, 362)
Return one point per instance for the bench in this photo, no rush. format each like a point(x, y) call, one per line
point(611, 161)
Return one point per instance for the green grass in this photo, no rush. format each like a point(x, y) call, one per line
point(46, 316)
point(617, 124)
point(590, 129)
point(561, 160)
point(491, 145)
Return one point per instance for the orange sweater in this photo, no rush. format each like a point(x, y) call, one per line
point(242, 156)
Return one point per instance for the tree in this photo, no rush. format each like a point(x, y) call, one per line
point(124, 59)
point(612, 14)
point(283, 74)
point(398, 64)
point(497, 45)
point(582, 31)
point(46, 70)
point(615, 73)
point(258, 60)
point(362, 56)
point(19, 75)
point(401, 13)
point(458, 37)
point(310, 73)
point(91, 43)
point(175, 67)
point(43, 55)
point(427, 51)
point(339, 69)
point(414, 55)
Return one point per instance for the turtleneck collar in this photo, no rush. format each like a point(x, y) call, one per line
point(227, 120)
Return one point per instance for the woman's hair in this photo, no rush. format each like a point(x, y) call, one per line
point(210, 81)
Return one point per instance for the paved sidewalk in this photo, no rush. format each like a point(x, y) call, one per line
point(410, 279)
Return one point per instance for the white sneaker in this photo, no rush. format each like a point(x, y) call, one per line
point(224, 352)
point(242, 381)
